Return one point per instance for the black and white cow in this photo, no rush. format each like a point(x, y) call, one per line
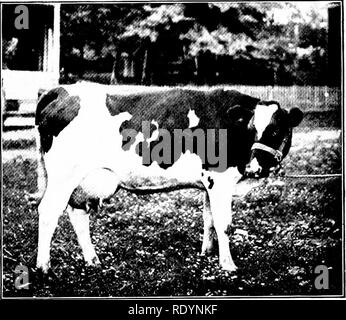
point(95, 140)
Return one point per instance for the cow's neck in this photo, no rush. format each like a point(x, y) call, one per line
point(239, 148)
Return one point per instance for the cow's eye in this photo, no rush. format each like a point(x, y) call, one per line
point(275, 133)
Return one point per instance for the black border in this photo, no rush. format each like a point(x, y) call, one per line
point(312, 304)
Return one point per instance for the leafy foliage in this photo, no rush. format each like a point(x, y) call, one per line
point(247, 32)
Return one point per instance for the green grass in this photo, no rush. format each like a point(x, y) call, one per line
point(149, 245)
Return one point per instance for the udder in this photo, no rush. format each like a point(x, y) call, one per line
point(96, 186)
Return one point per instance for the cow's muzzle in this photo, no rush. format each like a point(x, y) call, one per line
point(259, 172)
point(253, 169)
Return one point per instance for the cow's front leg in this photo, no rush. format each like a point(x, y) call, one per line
point(219, 188)
point(80, 221)
point(222, 217)
point(207, 245)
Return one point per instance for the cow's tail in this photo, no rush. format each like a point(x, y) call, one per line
point(41, 169)
point(41, 179)
point(162, 188)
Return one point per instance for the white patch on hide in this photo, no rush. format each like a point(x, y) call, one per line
point(193, 119)
point(263, 115)
point(254, 165)
point(155, 134)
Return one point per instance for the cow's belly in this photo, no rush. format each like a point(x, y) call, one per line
point(103, 182)
point(188, 168)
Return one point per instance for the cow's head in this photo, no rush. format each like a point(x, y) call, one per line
point(271, 130)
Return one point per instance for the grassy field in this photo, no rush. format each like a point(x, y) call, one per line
point(149, 245)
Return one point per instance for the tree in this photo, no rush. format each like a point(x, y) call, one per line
point(90, 32)
point(266, 38)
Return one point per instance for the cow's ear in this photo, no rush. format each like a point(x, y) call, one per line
point(295, 116)
point(238, 114)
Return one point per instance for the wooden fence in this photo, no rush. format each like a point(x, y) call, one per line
point(307, 98)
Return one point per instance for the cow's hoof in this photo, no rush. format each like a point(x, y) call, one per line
point(207, 251)
point(208, 247)
point(93, 262)
point(229, 267)
point(43, 267)
point(43, 275)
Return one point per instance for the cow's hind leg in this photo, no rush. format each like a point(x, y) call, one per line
point(50, 209)
point(80, 221)
point(207, 245)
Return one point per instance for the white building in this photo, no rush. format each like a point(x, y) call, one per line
point(30, 57)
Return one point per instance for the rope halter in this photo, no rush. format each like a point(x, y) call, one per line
point(276, 153)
